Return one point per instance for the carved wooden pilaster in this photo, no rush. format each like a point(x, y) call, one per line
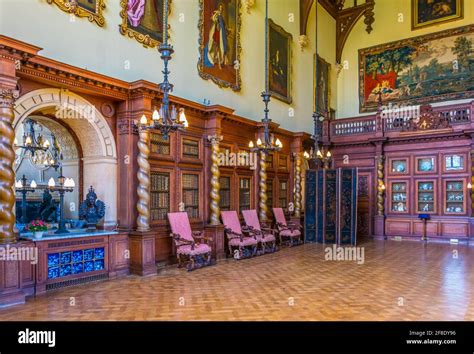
point(143, 175)
point(263, 198)
point(215, 183)
point(298, 163)
point(380, 186)
point(7, 158)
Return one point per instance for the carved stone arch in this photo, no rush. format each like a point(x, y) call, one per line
point(97, 142)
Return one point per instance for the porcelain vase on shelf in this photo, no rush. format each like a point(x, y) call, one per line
point(38, 234)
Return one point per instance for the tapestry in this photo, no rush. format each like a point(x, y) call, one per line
point(219, 42)
point(310, 206)
point(424, 69)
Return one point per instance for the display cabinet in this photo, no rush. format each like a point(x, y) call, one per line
point(425, 200)
point(398, 166)
point(455, 196)
point(425, 165)
point(398, 197)
point(454, 163)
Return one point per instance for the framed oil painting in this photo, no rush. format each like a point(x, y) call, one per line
point(279, 62)
point(92, 9)
point(420, 70)
point(321, 86)
point(143, 21)
point(433, 12)
point(219, 42)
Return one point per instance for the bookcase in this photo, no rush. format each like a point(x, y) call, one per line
point(244, 193)
point(160, 195)
point(283, 194)
point(190, 193)
point(224, 192)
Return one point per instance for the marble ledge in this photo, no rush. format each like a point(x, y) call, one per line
point(73, 234)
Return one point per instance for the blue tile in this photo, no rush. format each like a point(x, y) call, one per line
point(66, 257)
point(76, 256)
point(53, 273)
point(77, 268)
point(99, 253)
point(99, 265)
point(65, 270)
point(89, 266)
point(89, 254)
point(53, 260)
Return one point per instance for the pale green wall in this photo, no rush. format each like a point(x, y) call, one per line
point(106, 51)
point(386, 28)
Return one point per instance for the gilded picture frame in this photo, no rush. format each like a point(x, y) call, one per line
point(324, 69)
point(436, 12)
point(280, 70)
point(80, 9)
point(224, 72)
point(147, 40)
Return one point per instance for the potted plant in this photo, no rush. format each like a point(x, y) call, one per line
point(37, 227)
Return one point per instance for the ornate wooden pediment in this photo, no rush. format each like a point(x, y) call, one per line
point(428, 120)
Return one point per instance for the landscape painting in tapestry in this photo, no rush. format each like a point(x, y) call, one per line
point(279, 62)
point(419, 70)
point(219, 40)
point(432, 12)
point(143, 20)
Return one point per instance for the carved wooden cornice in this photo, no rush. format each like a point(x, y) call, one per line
point(17, 50)
point(345, 18)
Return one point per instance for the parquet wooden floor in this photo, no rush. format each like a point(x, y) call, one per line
point(398, 281)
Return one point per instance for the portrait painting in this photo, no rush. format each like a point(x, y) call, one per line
point(433, 12)
point(425, 69)
point(219, 42)
point(143, 20)
point(279, 62)
point(89, 5)
point(321, 86)
point(90, 9)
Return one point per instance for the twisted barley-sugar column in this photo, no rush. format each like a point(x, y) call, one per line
point(143, 189)
point(263, 188)
point(298, 184)
point(380, 186)
point(215, 184)
point(7, 158)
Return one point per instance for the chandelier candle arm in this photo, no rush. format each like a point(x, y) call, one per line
point(215, 182)
point(143, 175)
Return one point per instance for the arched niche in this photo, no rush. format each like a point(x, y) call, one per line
point(62, 109)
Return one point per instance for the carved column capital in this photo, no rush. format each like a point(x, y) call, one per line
point(8, 97)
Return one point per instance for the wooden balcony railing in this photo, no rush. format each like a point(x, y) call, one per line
point(460, 116)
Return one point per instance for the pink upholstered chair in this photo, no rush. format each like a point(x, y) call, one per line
point(288, 231)
point(265, 236)
point(239, 245)
point(189, 248)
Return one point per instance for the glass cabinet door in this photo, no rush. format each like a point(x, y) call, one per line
point(425, 197)
point(399, 197)
point(455, 197)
